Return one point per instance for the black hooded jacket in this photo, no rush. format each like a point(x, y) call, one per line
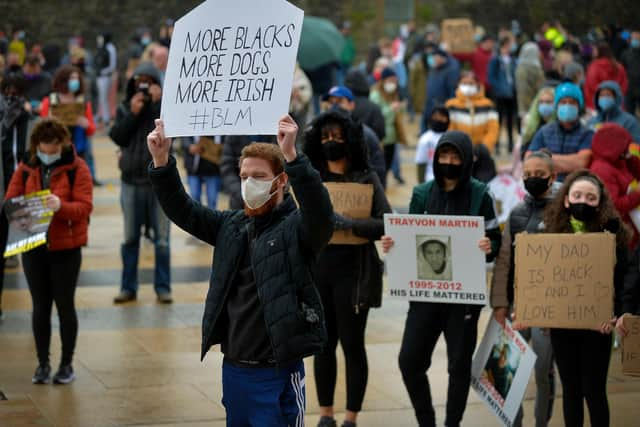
point(469, 197)
point(352, 261)
point(366, 111)
point(130, 130)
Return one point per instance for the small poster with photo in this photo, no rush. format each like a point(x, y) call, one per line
point(501, 370)
point(29, 219)
point(436, 258)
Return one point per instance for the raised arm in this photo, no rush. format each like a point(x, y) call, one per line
point(181, 209)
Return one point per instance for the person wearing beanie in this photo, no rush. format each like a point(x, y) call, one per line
point(365, 111)
point(567, 138)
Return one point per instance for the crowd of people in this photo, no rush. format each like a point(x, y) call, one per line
point(563, 106)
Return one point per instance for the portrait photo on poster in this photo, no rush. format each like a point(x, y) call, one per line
point(433, 257)
point(502, 365)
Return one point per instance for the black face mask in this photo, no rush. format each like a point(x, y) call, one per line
point(583, 212)
point(449, 171)
point(438, 126)
point(537, 186)
point(334, 150)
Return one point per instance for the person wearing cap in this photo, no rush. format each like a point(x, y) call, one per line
point(442, 81)
point(567, 138)
point(342, 98)
point(385, 95)
point(452, 192)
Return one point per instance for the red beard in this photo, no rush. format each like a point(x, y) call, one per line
point(262, 210)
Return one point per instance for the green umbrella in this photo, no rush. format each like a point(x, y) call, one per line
point(320, 43)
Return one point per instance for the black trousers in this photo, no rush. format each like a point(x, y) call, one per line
point(507, 111)
point(425, 323)
point(4, 235)
point(52, 277)
point(389, 151)
point(347, 327)
point(582, 357)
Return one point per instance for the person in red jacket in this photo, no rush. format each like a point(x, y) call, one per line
point(617, 169)
point(52, 270)
point(604, 68)
point(479, 60)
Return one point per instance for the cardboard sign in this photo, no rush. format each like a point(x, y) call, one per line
point(67, 113)
point(436, 258)
point(631, 346)
point(564, 280)
point(458, 34)
point(352, 201)
point(501, 370)
point(230, 68)
point(29, 219)
point(210, 150)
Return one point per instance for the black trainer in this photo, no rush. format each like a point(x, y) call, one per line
point(327, 422)
point(64, 375)
point(42, 374)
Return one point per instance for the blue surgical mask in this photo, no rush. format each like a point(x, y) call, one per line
point(74, 85)
point(48, 159)
point(635, 43)
point(545, 109)
point(431, 61)
point(606, 103)
point(567, 113)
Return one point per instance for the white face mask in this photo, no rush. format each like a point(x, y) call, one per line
point(256, 193)
point(390, 87)
point(468, 90)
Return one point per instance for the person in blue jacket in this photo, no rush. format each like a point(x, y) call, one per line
point(444, 74)
point(608, 103)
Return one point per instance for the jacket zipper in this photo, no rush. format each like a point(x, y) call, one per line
point(252, 241)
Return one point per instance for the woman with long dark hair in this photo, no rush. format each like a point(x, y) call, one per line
point(583, 205)
point(348, 276)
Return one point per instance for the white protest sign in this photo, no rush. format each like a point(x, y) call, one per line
point(501, 370)
point(436, 258)
point(231, 67)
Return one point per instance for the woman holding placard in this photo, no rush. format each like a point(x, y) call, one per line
point(583, 205)
point(348, 275)
point(68, 96)
point(539, 177)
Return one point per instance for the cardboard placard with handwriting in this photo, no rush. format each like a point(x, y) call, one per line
point(352, 201)
point(631, 346)
point(458, 34)
point(564, 280)
point(68, 113)
point(210, 150)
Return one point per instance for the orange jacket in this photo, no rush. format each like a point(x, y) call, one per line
point(476, 116)
point(69, 226)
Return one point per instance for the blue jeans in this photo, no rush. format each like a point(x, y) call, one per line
point(266, 397)
point(212, 187)
point(140, 207)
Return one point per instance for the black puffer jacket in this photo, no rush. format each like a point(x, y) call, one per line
point(362, 261)
point(130, 131)
point(281, 257)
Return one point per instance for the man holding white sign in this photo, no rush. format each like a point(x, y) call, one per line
point(453, 192)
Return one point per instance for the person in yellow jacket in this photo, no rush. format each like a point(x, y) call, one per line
point(473, 113)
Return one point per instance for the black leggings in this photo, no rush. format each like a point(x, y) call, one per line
point(425, 322)
point(507, 110)
point(582, 357)
point(389, 153)
point(345, 325)
point(53, 276)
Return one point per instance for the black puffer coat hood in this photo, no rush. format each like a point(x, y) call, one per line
point(357, 152)
point(462, 143)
